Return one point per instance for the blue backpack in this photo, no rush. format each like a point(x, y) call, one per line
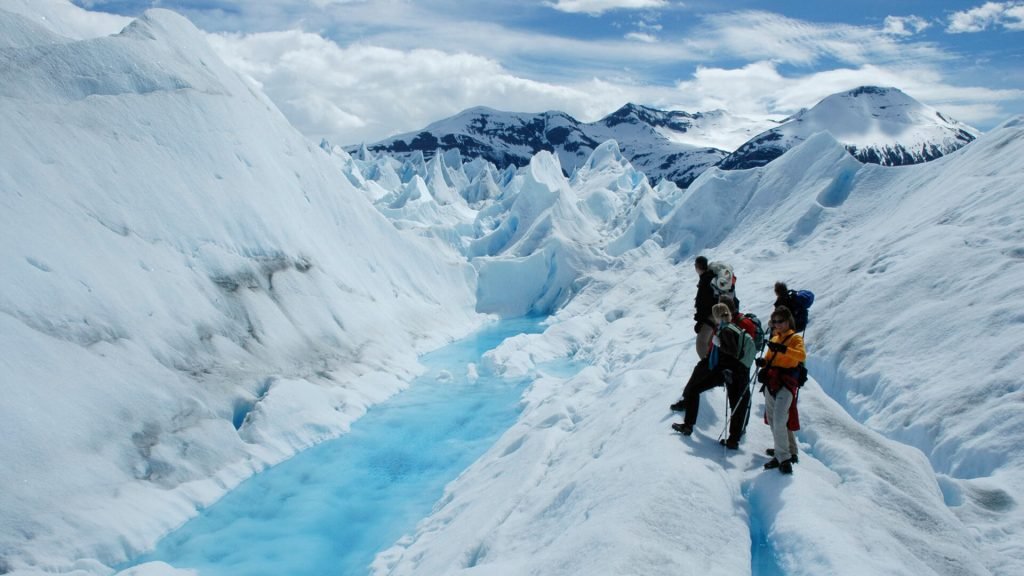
point(800, 301)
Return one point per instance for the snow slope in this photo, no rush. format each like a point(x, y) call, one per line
point(911, 458)
point(877, 125)
point(192, 291)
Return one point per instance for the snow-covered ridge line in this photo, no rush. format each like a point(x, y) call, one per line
point(877, 125)
point(667, 145)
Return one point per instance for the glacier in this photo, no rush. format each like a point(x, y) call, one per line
point(194, 292)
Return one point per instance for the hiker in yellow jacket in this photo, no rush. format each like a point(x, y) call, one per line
point(780, 374)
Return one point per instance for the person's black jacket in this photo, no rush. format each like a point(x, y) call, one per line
point(705, 298)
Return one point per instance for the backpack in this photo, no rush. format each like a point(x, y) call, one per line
point(800, 301)
point(735, 342)
point(724, 281)
point(752, 324)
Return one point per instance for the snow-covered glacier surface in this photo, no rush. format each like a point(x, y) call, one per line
point(193, 292)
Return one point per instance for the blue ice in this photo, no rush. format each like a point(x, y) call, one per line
point(330, 509)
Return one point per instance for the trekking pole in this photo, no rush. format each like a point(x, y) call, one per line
point(752, 379)
point(729, 414)
point(750, 400)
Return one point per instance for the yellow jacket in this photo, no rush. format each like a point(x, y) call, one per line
point(794, 353)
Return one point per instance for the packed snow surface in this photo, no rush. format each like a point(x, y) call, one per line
point(193, 292)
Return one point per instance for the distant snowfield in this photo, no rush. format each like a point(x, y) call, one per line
point(193, 292)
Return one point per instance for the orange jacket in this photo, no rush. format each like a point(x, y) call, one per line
point(794, 353)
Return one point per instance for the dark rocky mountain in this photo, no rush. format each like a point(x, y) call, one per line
point(672, 145)
point(877, 125)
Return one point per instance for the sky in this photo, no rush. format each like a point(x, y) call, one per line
point(362, 70)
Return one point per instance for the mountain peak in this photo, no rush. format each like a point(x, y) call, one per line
point(878, 125)
point(872, 91)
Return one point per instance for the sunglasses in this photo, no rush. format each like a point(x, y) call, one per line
point(778, 321)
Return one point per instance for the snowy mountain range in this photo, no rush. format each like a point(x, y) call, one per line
point(193, 293)
point(676, 146)
point(877, 125)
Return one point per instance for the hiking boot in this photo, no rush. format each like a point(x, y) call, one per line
point(794, 459)
point(786, 467)
point(678, 407)
point(730, 444)
point(684, 429)
point(772, 464)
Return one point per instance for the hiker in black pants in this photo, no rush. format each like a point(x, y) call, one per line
point(722, 366)
point(702, 304)
point(736, 374)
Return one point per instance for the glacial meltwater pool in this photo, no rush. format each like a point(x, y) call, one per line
point(330, 509)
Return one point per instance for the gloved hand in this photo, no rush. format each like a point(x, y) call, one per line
point(696, 328)
point(777, 347)
point(760, 362)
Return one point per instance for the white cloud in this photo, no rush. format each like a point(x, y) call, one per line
point(641, 37)
point(1014, 18)
point(366, 93)
point(757, 35)
point(598, 7)
point(905, 25)
point(758, 89)
point(325, 3)
point(1009, 15)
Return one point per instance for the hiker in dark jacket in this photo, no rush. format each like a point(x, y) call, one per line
point(702, 304)
point(720, 367)
point(785, 353)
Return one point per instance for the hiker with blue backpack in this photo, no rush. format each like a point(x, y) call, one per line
point(796, 301)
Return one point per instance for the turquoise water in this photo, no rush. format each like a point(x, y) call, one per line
point(330, 509)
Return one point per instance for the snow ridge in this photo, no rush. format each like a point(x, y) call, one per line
point(184, 301)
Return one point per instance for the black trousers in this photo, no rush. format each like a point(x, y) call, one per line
point(735, 377)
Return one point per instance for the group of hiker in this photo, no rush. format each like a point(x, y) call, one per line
point(730, 343)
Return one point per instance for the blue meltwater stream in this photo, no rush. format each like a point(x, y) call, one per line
point(330, 509)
